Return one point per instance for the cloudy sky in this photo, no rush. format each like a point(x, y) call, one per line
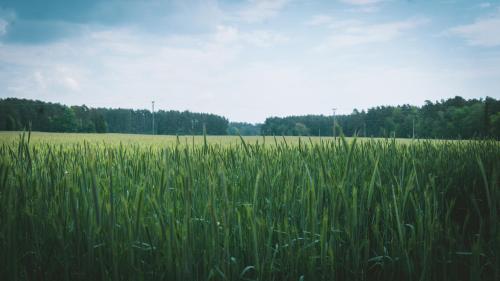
point(248, 60)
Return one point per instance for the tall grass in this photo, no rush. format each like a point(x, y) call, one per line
point(329, 210)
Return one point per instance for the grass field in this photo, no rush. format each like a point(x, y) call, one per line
point(150, 140)
point(130, 207)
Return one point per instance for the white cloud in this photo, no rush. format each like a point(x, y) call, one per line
point(361, 2)
point(485, 5)
point(3, 27)
point(56, 78)
point(261, 10)
point(226, 34)
point(212, 73)
point(6, 18)
point(264, 38)
point(259, 38)
point(120, 68)
point(367, 9)
point(345, 24)
point(319, 20)
point(67, 79)
point(42, 81)
point(364, 6)
point(484, 32)
point(39, 79)
point(353, 33)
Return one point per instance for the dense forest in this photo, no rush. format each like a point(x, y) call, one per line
point(454, 118)
point(244, 129)
point(17, 114)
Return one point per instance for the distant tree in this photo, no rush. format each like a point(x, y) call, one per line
point(450, 119)
point(65, 121)
point(244, 129)
point(99, 123)
point(10, 124)
point(300, 129)
point(495, 125)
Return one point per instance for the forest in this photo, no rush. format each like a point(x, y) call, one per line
point(454, 118)
point(18, 114)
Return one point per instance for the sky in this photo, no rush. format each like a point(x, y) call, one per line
point(248, 60)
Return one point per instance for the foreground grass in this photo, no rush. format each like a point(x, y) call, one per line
point(329, 210)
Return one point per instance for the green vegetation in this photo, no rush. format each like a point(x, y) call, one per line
point(244, 129)
point(454, 118)
point(19, 114)
point(316, 210)
point(12, 138)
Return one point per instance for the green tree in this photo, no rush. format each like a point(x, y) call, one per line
point(65, 121)
point(300, 129)
point(495, 125)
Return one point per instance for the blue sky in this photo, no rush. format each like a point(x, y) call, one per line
point(248, 60)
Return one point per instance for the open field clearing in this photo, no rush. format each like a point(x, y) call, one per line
point(162, 140)
point(231, 210)
point(142, 140)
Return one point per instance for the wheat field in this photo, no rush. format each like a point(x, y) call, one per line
point(132, 207)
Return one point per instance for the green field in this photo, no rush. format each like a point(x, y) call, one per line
point(163, 140)
point(136, 207)
point(142, 140)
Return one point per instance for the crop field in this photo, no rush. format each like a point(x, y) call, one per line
point(139, 140)
point(135, 207)
point(160, 140)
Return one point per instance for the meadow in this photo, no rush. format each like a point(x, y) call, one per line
point(162, 140)
point(136, 207)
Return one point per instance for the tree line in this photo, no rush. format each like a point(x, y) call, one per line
point(19, 114)
point(244, 129)
point(454, 118)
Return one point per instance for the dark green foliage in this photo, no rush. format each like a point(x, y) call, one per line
point(343, 210)
point(16, 114)
point(455, 118)
point(243, 129)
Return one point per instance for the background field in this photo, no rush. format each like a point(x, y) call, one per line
point(162, 140)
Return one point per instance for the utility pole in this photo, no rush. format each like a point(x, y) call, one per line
point(334, 122)
point(153, 112)
point(413, 128)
